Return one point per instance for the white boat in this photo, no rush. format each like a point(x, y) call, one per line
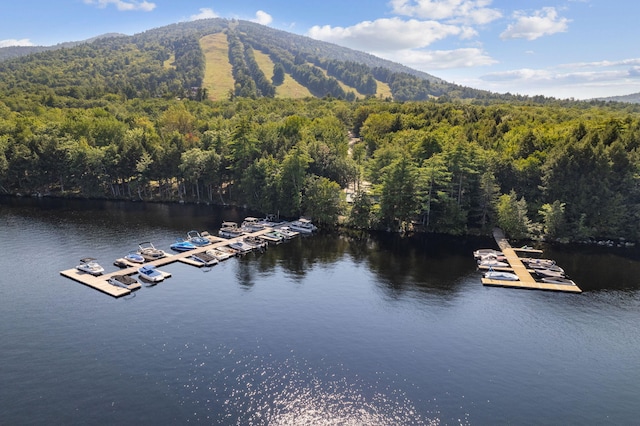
point(150, 273)
point(255, 242)
point(90, 266)
point(219, 254)
point(492, 263)
point(287, 232)
point(501, 276)
point(124, 281)
point(149, 252)
point(549, 273)
point(241, 247)
point(252, 224)
point(303, 225)
point(230, 230)
point(486, 252)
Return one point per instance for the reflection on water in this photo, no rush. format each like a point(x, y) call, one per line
point(263, 389)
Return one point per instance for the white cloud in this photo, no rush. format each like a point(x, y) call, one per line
point(589, 79)
point(263, 18)
point(205, 13)
point(386, 35)
point(14, 42)
point(459, 11)
point(429, 60)
point(543, 22)
point(124, 5)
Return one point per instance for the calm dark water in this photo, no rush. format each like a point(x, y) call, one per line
point(330, 329)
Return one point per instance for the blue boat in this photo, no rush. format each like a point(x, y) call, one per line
point(195, 238)
point(150, 273)
point(182, 245)
point(134, 257)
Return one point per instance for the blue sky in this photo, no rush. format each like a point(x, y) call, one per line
point(562, 48)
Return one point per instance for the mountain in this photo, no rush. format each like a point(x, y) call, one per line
point(195, 59)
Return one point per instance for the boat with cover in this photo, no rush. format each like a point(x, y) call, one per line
point(252, 224)
point(549, 273)
point(150, 273)
point(149, 252)
point(124, 281)
point(255, 242)
point(219, 254)
point(480, 253)
point(205, 258)
point(557, 280)
point(501, 275)
point(90, 266)
point(303, 226)
point(195, 238)
point(182, 245)
point(492, 263)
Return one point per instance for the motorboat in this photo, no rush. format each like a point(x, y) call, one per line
point(287, 232)
point(150, 273)
point(490, 262)
point(226, 249)
point(149, 252)
point(241, 247)
point(501, 276)
point(256, 242)
point(182, 245)
point(195, 238)
point(252, 224)
point(205, 258)
point(219, 254)
point(273, 237)
point(303, 226)
point(557, 280)
point(230, 230)
point(538, 263)
point(125, 281)
point(134, 257)
point(548, 273)
point(480, 253)
point(90, 266)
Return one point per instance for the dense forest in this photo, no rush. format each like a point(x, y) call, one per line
point(127, 118)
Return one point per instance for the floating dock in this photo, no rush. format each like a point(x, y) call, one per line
point(525, 279)
point(101, 282)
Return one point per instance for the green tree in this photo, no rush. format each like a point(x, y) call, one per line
point(324, 201)
point(399, 203)
point(512, 216)
point(553, 219)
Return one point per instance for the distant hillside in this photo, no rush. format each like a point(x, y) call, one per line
point(633, 98)
point(17, 51)
point(176, 61)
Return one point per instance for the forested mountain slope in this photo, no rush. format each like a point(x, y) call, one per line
point(133, 118)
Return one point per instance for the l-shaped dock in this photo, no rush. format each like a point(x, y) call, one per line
point(525, 279)
point(101, 282)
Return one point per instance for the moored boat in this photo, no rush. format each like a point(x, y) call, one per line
point(303, 225)
point(486, 252)
point(501, 276)
point(230, 230)
point(195, 238)
point(124, 281)
point(205, 258)
point(90, 266)
point(182, 245)
point(149, 252)
point(492, 263)
point(557, 280)
point(150, 273)
point(287, 232)
point(219, 254)
point(241, 247)
point(134, 257)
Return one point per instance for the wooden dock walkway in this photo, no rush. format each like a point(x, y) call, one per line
point(101, 282)
point(526, 280)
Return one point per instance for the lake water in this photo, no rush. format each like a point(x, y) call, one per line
point(348, 329)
